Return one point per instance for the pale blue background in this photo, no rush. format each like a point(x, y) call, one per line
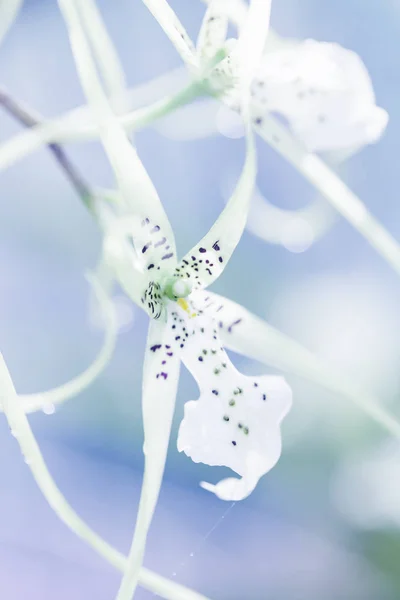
point(289, 540)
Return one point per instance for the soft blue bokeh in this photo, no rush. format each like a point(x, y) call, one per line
point(291, 539)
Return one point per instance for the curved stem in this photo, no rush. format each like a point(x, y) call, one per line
point(63, 130)
point(58, 395)
point(22, 431)
point(27, 117)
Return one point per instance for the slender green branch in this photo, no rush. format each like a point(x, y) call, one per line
point(29, 119)
point(22, 431)
point(19, 424)
point(65, 130)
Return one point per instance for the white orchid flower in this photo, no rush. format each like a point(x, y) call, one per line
point(153, 278)
point(325, 97)
point(236, 420)
point(321, 177)
point(216, 66)
point(322, 90)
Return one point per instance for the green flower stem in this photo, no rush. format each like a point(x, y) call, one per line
point(64, 130)
point(27, 118)
point(19, 424)
point(22, 431)
point(146, 116)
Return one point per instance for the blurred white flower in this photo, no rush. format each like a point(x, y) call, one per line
point(324, 92)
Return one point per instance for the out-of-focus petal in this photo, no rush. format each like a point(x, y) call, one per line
point(212, 32)
point(324, 93)
point(173, 28)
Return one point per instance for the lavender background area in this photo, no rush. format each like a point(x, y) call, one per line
point(324, 523)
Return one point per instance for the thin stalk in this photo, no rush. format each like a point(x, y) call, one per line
point(19, 424)
point(22, 431)
point(29, 119)
point(64, 130)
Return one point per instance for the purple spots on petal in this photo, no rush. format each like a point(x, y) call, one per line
point(160, 243)
point(146, 247)
point(162, 374)
point(233, 324)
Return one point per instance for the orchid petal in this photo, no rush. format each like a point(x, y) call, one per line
point(213, 31)
point(9, 10)
point(247, 334)
point(324, 92)
point(120, 259)
point(20, 428)
point(236, 10)
point(206, 261)
point(58, 395)
point(135, 185)
point(173, 28)
point(235, 422)
point(252, 39)
point(152, 249)
point(103, 49)
point(160, 382)
point(216, 248)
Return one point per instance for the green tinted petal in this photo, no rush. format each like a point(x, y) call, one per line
point(173, 28)
point(135, 185)
point(104, 51)
point(21, 430)
point(252, 39)
point(213, 31)
point(212, 253)
point(160, 382)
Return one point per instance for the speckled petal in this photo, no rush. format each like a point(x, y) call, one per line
point(236, 420)
point(153, 250)
point(206, 261)
point(160, 382)
point(212, 32)
point(324, 93)
point(135, 185)
point(174, 29)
